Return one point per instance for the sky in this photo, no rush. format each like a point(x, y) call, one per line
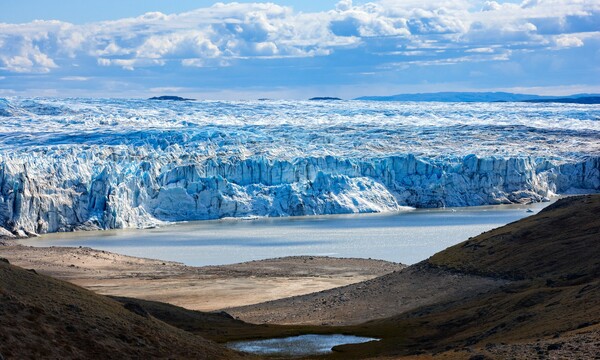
point(297, 49)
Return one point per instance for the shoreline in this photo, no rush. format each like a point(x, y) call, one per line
point(236, 286)
point(6, 235)
point(401, 238)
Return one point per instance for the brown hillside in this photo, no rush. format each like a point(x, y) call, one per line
point(219, 326)
point(550, 309)
point(528, 290)
point(561, 242)
point(42, 318)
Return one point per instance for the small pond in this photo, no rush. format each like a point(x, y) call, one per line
point(303, 345)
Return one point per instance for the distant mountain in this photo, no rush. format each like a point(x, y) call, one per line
point(324, 98)
point(477, 97)
point(171, 98)
point(570, 100)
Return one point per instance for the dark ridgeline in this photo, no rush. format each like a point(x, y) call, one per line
point(324, 98)
point(580, 100)
point(486, 97)
point(170, 98)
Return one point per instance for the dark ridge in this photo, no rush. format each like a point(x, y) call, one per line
point(217, 326)
point(580, 100)
point(455, 97)
point(136, 309)
point(170, 98)
point(324, 98)
point(482, 97)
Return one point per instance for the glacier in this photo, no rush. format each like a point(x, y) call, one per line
point(80, 164)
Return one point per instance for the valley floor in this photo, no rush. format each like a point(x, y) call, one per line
point(206, 288)
point(528, 290)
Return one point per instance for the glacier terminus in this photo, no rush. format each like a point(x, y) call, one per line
point(77, 164)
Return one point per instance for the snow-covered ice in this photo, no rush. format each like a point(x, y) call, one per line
point(70, 164)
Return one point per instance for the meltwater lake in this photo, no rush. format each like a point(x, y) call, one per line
point(406, 237)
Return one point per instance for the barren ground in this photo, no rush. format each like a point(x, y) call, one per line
point(377, 298)
point(197, 288)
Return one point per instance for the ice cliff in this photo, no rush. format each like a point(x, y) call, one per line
point(85, 164)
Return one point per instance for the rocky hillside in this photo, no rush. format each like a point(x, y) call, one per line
point(550, 308)
point(561, 242)
point(44, 318)
point(527, 290)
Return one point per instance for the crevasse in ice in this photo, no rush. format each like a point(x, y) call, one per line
point(69, 164)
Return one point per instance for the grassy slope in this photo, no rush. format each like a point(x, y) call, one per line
point(561, 242)
point(554, 260)
point(41, 317)
point(221, 327)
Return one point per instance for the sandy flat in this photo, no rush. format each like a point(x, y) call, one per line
point(198, 288)
point(382, 297)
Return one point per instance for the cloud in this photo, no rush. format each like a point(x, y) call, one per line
point(23, 55)
point(74, 78)
point(566, 41)
point(266, 42)
point(167, 89)
point(456, 60)
point(131, 64)
point(177, 45)
point(480, 50)
point(217, 35)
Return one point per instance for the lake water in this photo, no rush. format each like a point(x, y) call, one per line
point(406, 237)
point(303, 345)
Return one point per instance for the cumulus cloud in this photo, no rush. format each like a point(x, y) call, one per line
point(225, 33)
point(181, 44)
point(566, 41)
point(23, 53)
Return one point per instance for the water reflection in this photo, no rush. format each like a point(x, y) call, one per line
point(303, 345)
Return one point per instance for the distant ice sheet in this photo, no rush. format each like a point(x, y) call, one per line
point(108, 163)
point(287, 130)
